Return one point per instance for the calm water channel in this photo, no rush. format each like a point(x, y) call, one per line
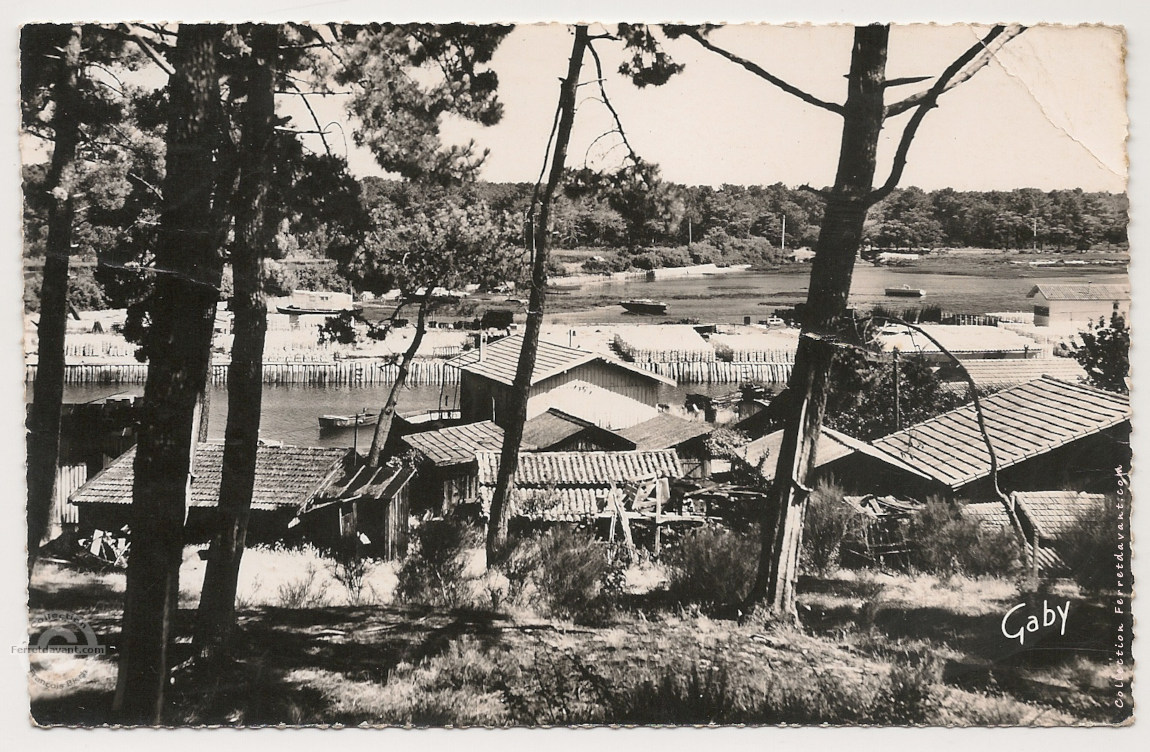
point(290, 412)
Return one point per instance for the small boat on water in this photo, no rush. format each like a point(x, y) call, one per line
point(906, 291)
point(294, 310)
point(644, 305)
point(347, 421)
point(307, 302)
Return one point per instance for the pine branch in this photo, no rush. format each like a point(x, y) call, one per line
point(983, 46)
point(763, 74)
point(962, 69)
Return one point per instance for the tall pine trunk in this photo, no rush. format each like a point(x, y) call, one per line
point(178, 346)
point(216, 617)
point(500, 514)
point(387, 414)
point(840, 237)
point(48, 390)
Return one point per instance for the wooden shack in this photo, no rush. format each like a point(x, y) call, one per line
point(287, 477)
point(363, 509)
point(559, 431)
point(1045, 432)
point(487, 374)
point(446, 464)
point(1078, 302)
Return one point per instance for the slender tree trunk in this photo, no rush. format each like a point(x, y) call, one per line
point(48, 390)
point(245, 374)
point(500, 515)
point(839, 240)
point(387, 414)
point(183, 308)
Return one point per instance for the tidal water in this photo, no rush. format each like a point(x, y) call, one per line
point(290, 413)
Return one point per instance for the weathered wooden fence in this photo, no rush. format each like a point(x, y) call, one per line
point(422, 372)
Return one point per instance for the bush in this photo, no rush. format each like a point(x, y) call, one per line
point(1093, 534)
point(828, 522)
point(570, 574)
point(434, 571)
point(563, 689)
point(713, 566)
point(945, 542)
point(303, 592)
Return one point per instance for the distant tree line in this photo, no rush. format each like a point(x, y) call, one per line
point(645, 221)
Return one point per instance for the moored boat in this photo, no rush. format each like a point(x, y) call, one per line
point(644, 305)
point(906, 291)
point(294, 310)
point(347, 421)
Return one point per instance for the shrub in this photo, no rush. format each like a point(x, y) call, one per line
point(945, 542)
point(713, 566)
point(1096, 530)
point(434, 571)
point(828, 522)
point(303, 592)
point(571, 572)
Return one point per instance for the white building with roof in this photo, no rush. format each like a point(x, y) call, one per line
point(1078, 302)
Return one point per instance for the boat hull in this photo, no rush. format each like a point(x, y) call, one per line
point(297, 311)
point(348, 421)
point(904, 292)
point(644, 306)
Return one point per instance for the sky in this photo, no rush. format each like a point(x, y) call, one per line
point(1048, 112)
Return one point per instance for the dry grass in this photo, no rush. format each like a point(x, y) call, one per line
point(875, 648)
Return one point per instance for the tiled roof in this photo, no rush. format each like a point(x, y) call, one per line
point(286, 476)
point(1054, 512)
point(501, 358)
point(989, 514)
point(456, 444)
point(993, 515)
point(1023, 422)
point(1083, 291)
point(566, 485)
point(594, 404)
point(664, 431)
point(999, 373)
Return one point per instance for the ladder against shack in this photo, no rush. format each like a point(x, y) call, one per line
point(646, 499)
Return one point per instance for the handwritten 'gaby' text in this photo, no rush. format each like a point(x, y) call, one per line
point(1017, 626)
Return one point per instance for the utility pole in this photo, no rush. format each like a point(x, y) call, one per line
point(783, 238)
point(897, 400)
point(1035, 247)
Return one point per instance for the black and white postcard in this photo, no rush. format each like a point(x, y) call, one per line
point(402, 373)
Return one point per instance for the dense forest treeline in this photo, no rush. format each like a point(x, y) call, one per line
point(640, 223)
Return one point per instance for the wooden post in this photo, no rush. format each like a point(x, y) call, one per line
point(662, 494)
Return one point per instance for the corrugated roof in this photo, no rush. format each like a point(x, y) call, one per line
point(1082, 291)
point(1023, 422)
point(1001, 373)
point(664, 431)
point(1054, 512)
point(501, 358)
point(566, 485)
point(286, 476)
point(456, 444)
